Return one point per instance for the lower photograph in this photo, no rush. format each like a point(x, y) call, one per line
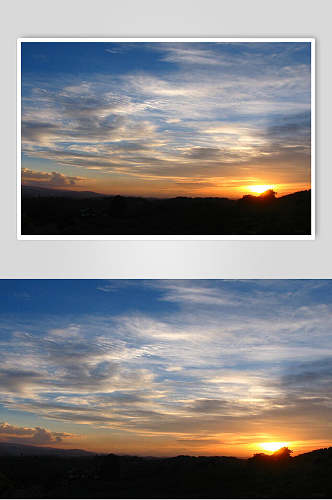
point(165, 388)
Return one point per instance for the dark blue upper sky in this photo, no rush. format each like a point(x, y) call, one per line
point(43, 297)
point(66, 297)
point(119, 58)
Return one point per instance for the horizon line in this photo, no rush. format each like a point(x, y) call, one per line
point(72, 190)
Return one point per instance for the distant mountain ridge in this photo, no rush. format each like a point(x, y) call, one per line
point(36, 191)
point(17, 449)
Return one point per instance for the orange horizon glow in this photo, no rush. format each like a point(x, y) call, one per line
point(164, 447)
point(273, 446)
point(169, 450)
point(235, 192)
point(261, 188)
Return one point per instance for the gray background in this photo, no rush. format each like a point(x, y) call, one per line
point(166, 259)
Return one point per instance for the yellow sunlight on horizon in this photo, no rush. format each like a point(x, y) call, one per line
point(260, 188)
point(274, 446)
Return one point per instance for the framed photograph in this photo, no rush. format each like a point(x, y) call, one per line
point(156, 389)
point(171, 138)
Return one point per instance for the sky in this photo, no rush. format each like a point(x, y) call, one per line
point(166, 119)
point(162, 368)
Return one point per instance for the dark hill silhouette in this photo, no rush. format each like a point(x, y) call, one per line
point(266, 214)
point(113, 476)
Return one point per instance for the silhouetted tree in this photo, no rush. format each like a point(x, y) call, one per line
point(282, 454)
point(279, 455)
point(268, 195)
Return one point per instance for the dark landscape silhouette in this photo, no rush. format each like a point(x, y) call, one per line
point(59, 212)
point(35, 472)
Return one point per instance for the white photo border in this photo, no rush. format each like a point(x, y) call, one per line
point(311, 236)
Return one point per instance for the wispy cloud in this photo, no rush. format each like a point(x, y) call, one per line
point(182, 54)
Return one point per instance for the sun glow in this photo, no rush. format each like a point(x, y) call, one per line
point(260, 188)
point(272, 446)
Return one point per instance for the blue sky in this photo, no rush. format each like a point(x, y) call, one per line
point(166, 367)
point(165, 119)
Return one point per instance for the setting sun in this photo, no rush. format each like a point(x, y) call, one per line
point(260, 188)
point(272, 446)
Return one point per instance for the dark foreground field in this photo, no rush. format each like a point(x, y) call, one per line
point(59, 213)
point(111, 476)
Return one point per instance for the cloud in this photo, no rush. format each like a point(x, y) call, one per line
point(193, 293)
point(50, 179)
point(198, 442)
point(311, 379)
point(290, 134)
point(34, 131)
point(203, 153)
point(18, 380)
point(189, 54)
point(207, 406)
point(32, 436)
point(65, 360)
point(118, 47)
